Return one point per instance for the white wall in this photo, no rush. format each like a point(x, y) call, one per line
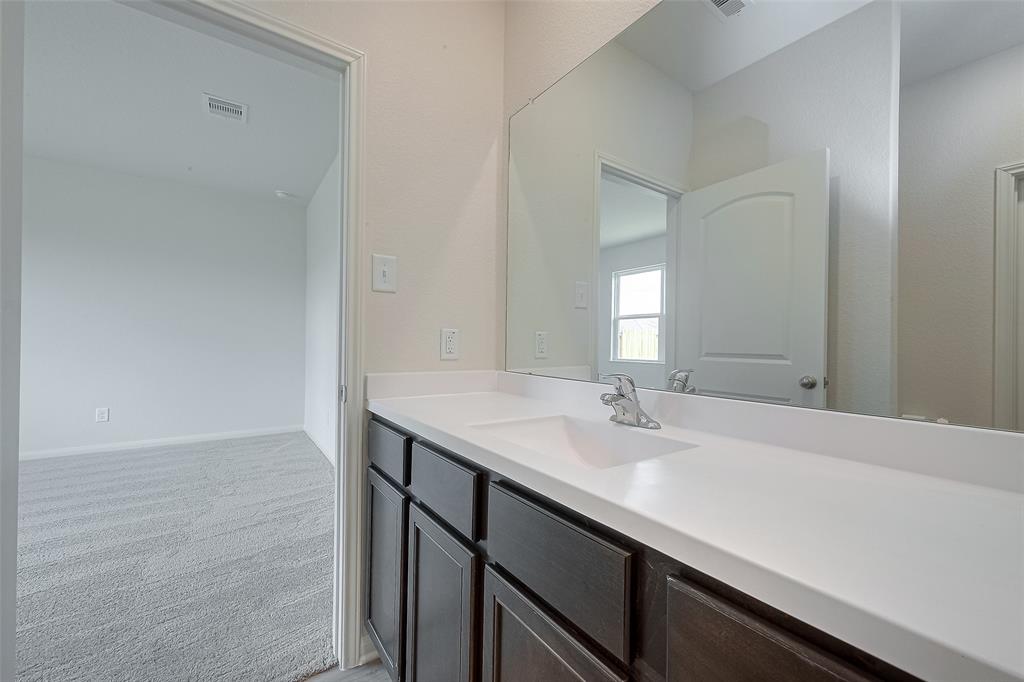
point(956, 128)
point(632, 255)
point(323, 275)
point(834, 88)
point(614, 103)
point(432, 149)
point(178, 307)
point(544, 40)
point(437, 155)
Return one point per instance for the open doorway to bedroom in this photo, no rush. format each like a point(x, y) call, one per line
point(181, 301)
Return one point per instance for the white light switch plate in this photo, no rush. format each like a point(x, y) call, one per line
point(385, 273)
point(449, 344)
point(582, 294)
point(540, 348)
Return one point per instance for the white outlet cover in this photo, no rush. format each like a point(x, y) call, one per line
point(540, 345)
point(385, 273)
point(102, 414)
point(582, 294)
point(449, 344)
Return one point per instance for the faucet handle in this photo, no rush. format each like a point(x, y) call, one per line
point(624, 383)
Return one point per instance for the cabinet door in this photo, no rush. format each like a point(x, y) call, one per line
point(523, 644)
point(386, 516)
point(442, 593)
point(712, 640)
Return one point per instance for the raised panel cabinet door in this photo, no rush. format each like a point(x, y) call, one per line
point(443, 578)
point(523, 644)
point(386, 516)
point(712, 640)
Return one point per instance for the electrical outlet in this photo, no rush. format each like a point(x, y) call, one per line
point(540, 345)
point(582, 294)
point(449, 344)
point(102, 414)
point(385, 273)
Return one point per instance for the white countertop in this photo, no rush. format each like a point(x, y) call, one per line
point(923, 572)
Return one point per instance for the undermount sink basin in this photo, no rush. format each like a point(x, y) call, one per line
point(600, 445)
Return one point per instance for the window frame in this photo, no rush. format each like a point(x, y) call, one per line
point(616, 318)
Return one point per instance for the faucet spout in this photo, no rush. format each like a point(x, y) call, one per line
point(626, 403)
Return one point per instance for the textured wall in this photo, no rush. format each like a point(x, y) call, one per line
point(614, 103)
point(956, 128)
point(433, 145)
point(177, 306)
point(544, 40)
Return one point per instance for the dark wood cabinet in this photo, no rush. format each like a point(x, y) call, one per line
point(441, 624)
point(586, 578)
point(386, 514)
point(523, 644)
point(450, 489)
point(389, 451)
point(712, 640)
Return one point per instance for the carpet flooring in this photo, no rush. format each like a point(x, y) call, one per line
point(207, 561)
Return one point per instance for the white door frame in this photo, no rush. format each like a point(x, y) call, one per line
point(674, 191)
point(273, 32)
point(12, 22)
point(1009, 269)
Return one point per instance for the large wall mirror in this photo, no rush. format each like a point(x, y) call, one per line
point(798, 202)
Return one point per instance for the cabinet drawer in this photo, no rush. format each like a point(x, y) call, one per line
point(712, 639)
point(448, 488)
point(586, 578)
point(523, 644)
point(389, 451)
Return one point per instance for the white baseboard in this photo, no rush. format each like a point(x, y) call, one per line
point(320, 447)
point(154, 442)
point(368, 652)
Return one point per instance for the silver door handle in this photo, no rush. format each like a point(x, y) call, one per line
point(808, 382)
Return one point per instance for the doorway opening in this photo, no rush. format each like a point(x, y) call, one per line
point(248, 276)
point(636, 273)
point(1008, 372)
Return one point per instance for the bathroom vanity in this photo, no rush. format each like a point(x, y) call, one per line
point(517, 534)
point(716, 203)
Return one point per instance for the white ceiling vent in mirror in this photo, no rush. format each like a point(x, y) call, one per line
point(723, 9)
point(218, 106)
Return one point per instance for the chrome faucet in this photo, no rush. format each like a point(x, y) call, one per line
point(626, 404)
point(679, 381)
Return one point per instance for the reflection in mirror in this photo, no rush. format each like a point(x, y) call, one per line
point(721, 205)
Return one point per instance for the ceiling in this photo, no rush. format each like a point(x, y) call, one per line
point(687, 40)
point(938, 36)
point(112, 86)
point(630, 212)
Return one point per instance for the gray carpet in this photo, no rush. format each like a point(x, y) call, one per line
point(208, 561)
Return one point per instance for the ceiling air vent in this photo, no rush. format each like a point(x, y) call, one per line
point(218, 106)
point(727, 8)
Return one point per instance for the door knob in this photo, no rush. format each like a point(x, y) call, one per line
point(808, 382)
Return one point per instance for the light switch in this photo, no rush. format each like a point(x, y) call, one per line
point(582, 294)
point(385, 273)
